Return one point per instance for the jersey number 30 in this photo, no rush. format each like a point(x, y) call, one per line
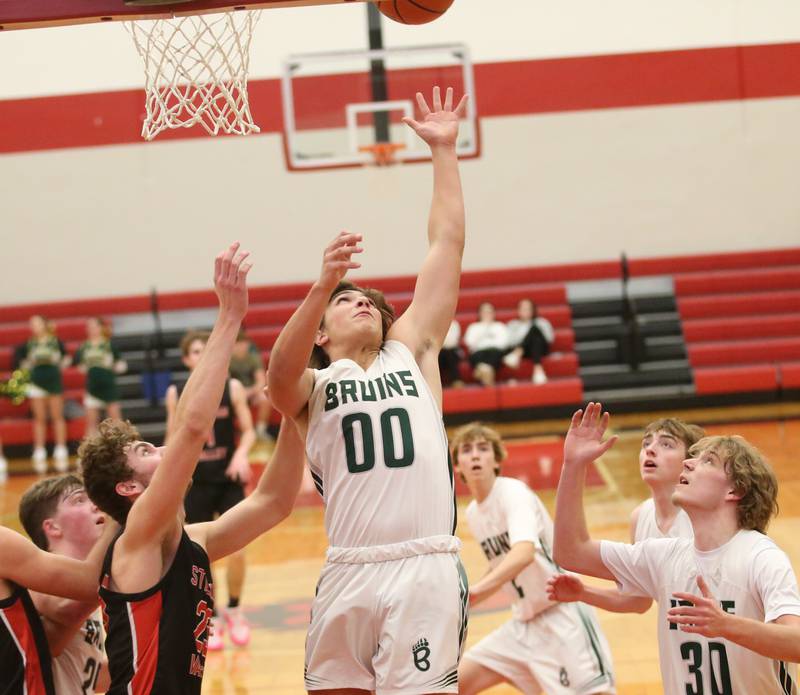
point(389, 420)
point(719, 672)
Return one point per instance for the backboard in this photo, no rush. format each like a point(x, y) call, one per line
point(338, 105)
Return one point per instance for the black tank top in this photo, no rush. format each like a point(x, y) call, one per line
point(24, 654)
point(219, 446)
point(156, 640)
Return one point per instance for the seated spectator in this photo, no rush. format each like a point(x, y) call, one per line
point(248, 367)
point(487, 342)
point(450, 356)
point(530, 336)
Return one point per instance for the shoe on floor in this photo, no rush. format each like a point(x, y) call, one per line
point(238, 627)
point(61, 458)
point(39, 459)
point(216, 634)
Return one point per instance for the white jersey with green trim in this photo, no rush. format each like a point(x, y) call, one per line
point(647, 526)
point(378, 452)
point(512, 513)
point(749, 575)
point(76, 669)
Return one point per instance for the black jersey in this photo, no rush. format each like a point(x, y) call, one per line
point(156, 639)
point(24, 654)
point(219, 446)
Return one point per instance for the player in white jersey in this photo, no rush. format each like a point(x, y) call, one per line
point(546, 647)
point(728, 602)
point(59, 517)
point(390, 611)
point(665, 445)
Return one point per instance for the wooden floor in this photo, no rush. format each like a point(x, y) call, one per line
point(284, 566)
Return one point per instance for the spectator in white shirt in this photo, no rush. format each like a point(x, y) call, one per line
point(487, 342)
point(450, 356)
point(529, 335)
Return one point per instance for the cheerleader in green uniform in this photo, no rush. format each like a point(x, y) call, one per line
point(44, 356)
point(101, 362)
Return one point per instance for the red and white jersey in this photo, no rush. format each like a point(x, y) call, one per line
point(510, 514)
point(647, 527)
point(76, 669)
point(749, 575)
point(24, 654)
point(378, 452)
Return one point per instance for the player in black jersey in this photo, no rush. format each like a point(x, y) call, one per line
point(156, 588)
point(24, 654)
point(218, 481)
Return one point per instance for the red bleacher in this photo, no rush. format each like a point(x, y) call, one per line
point(740, 312)
point(741, 319)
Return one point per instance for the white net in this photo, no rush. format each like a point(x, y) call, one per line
point(196, 72)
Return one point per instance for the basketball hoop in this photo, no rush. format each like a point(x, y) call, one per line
point(383, 152)
point(196, 72)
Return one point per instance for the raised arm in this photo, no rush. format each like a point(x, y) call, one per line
point(290, 380)
point(171, 405)
point(573, 548)
point(239, 467)
point(25, 564)
point(150, 519)
point(269, 504)
point(424, 324)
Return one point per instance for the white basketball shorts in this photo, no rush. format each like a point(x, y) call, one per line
point(559, 652)
point(389, 619)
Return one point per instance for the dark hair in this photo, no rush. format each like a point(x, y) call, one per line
point(104, 460)
point(319, 358)
point(190, 337)
point(40, 502)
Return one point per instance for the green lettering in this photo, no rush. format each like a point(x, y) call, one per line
point(367, 396)
point(408, 381)
point(392, 384)
point(331, 401)
point(348, 387)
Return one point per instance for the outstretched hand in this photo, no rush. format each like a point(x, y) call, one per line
point(584, 442)
point(564, 588)
point(338, 259)
point(705, 617)
point(230, 280)
point(439, 127)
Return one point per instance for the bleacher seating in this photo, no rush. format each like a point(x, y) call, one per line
point(740, 314)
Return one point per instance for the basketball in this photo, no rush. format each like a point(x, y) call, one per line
point(413, 11)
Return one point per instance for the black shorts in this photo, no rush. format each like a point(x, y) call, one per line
point(204, 500)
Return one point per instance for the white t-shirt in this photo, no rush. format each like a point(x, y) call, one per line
point(518, 329)
point(510, 514)
point(486, 336)
point(647, 527)
point(378, 453)
point(749, 575)
point(453, 336)
point(75, 670)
